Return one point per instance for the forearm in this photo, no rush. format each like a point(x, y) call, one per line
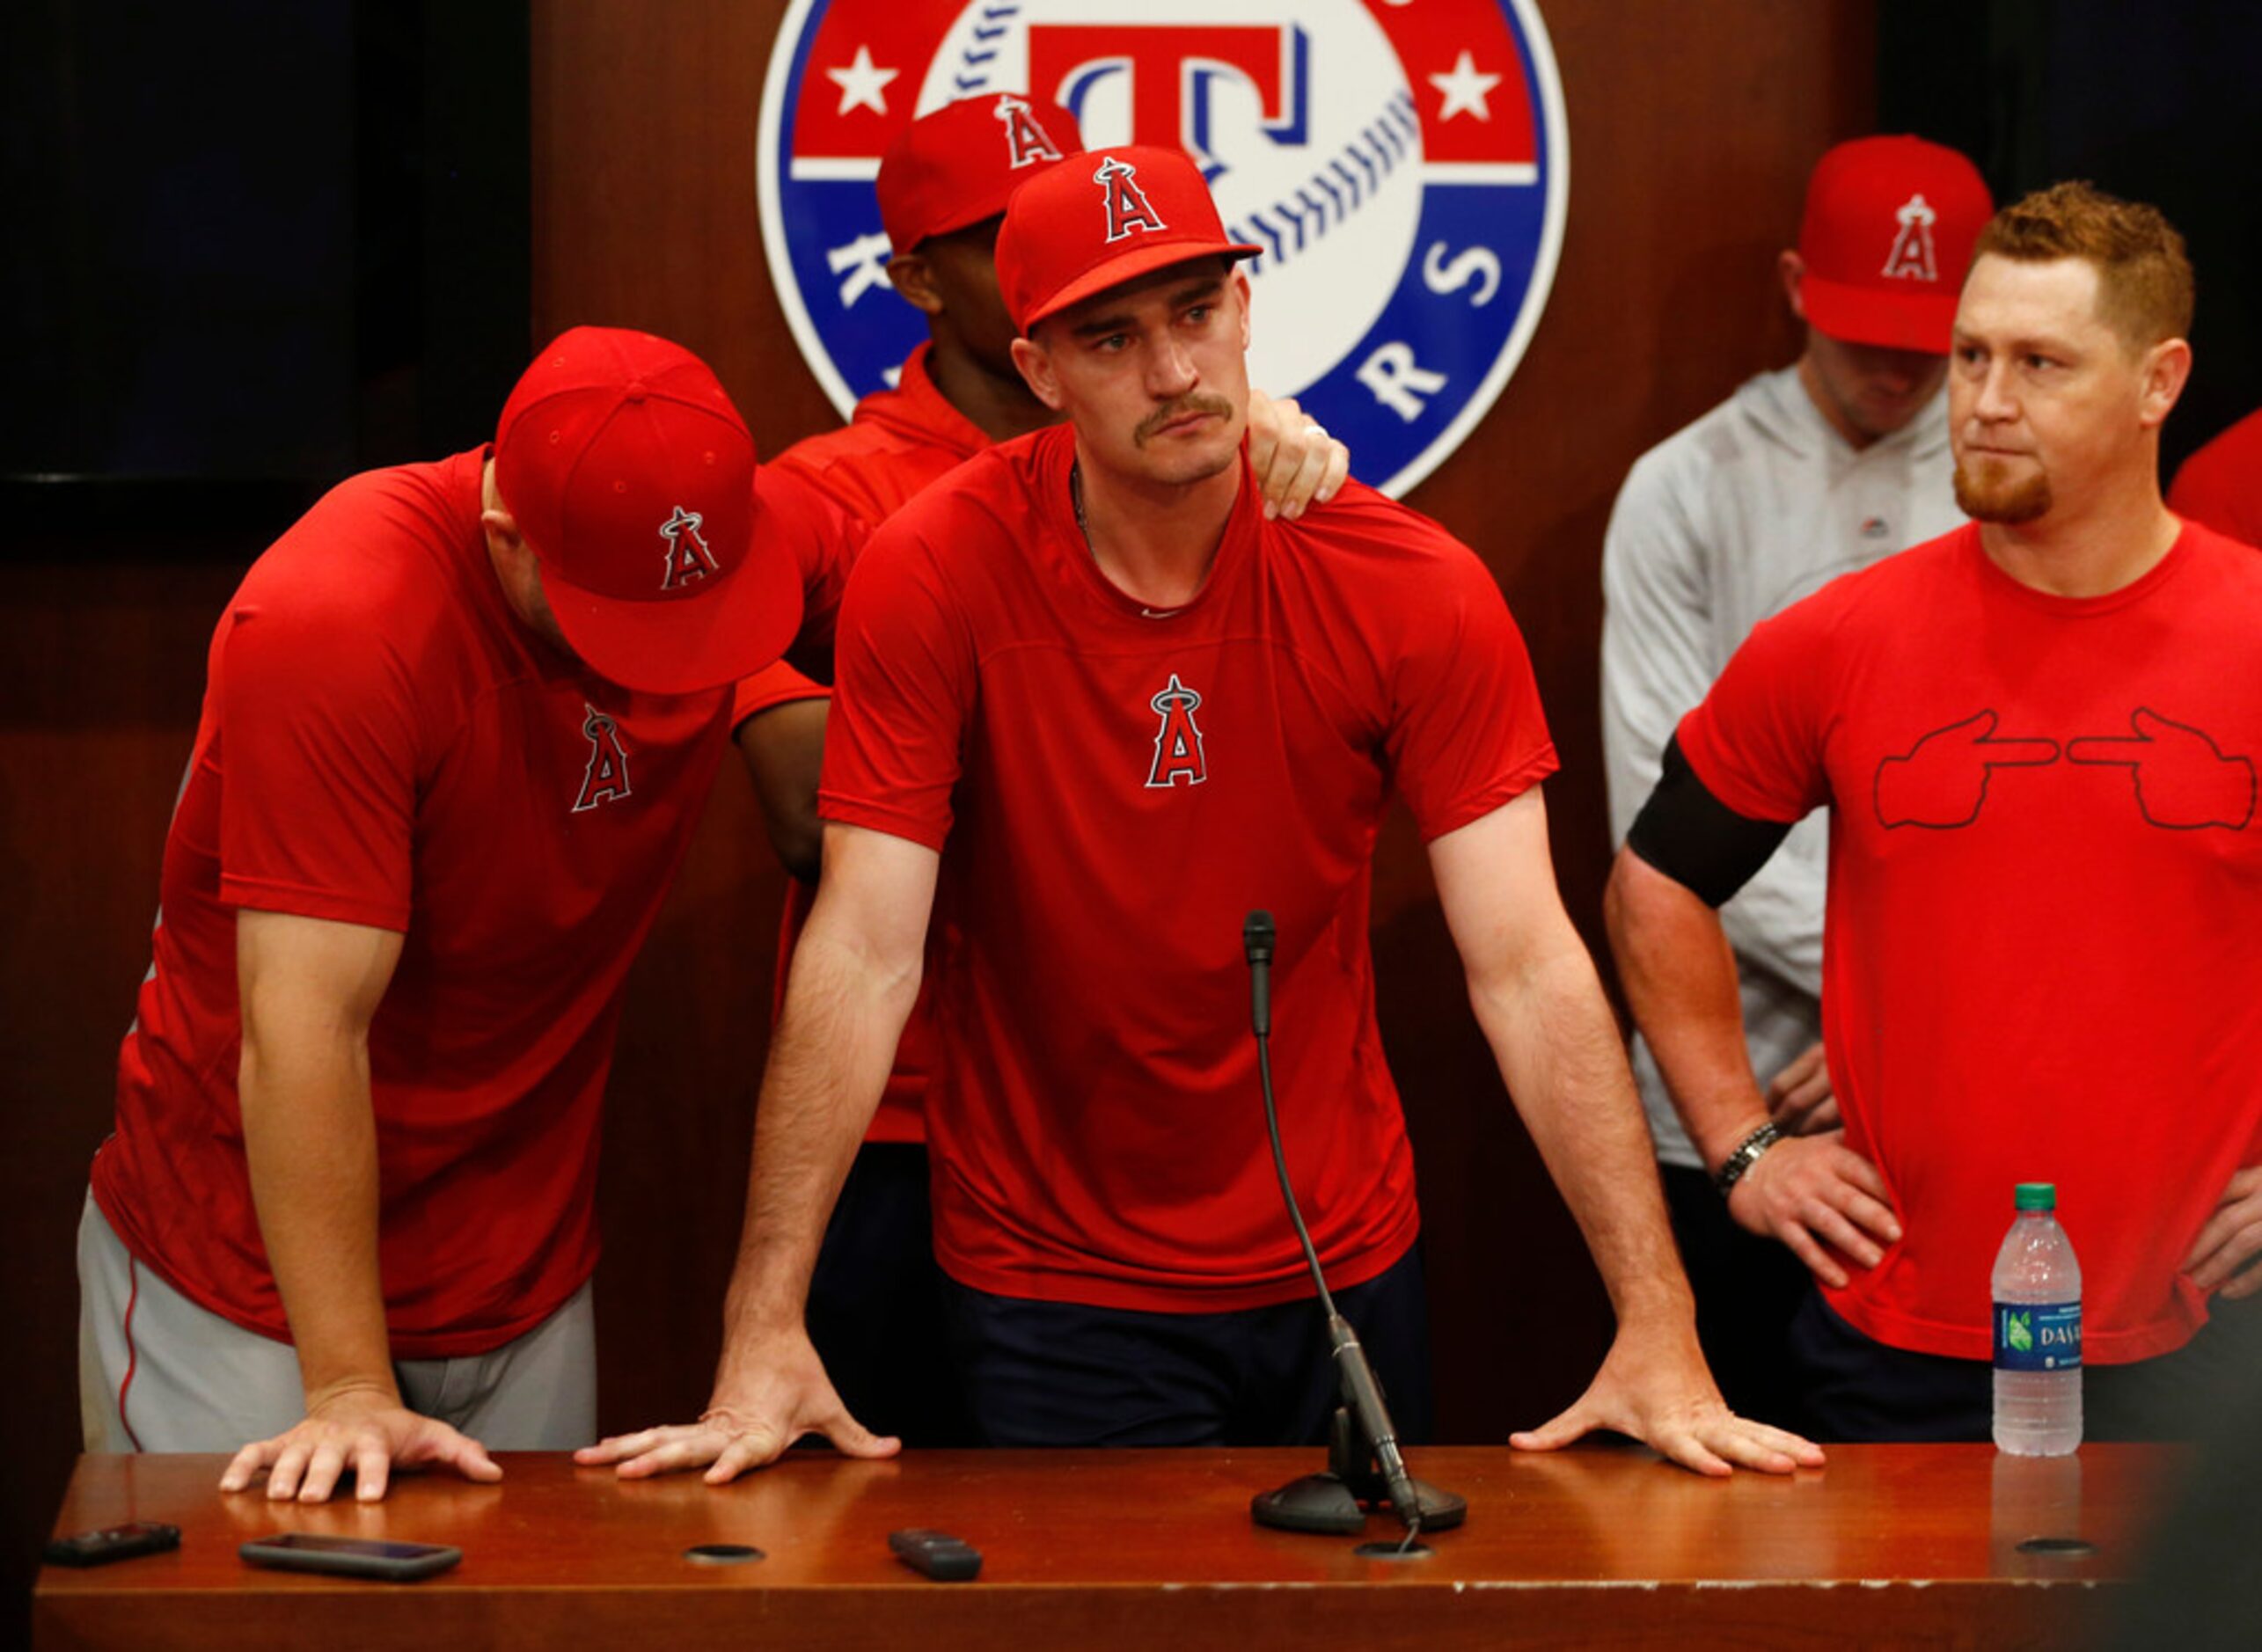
point(783, 747)
point(310, 1139)
point(828, 1064)
point(1679, 978)
point(1558, 1049)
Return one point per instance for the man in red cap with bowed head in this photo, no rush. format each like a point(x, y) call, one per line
point(1093, 707)
point(460, 723)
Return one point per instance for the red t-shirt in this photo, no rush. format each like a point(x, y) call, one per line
point(895, 443)
point(2038, 958)
point(383, 742)
point(2221, 486)
point(1113, 792)
point(899, 441)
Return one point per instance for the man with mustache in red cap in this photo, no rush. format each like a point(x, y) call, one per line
point(460, 721)
point(1094, 707)
point(875, 1302)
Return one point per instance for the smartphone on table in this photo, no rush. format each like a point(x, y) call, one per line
point(350, 1557)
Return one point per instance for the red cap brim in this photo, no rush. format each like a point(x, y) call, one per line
point(688, 646)
point(1863, 315)
point(1143, 259)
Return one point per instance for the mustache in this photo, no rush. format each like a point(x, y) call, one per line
point(1196, 403)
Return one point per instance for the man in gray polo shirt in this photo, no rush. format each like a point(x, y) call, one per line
point(1804, 473)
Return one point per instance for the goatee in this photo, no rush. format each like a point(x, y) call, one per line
point(1991, 497)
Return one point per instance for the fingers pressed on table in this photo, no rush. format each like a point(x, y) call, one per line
point(283, 1481)
point(1748, 1453)
point(735, 1459)
point(373, 1470)
point(1691, 1453)
point(1557, 1430)
point(614, 1447)
point(1783, 1440)
point(322, 1470)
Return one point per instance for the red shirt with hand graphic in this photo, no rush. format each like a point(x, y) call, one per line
point(2038, 962)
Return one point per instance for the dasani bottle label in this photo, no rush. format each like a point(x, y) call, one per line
point(2037, 1335)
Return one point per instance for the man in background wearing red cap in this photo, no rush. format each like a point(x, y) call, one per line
point(1094, 706)
point(460, 721)
point(1802, 475)
point(875, 1310)
point(2038, 737)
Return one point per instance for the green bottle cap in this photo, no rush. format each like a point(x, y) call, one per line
point(2037, 1195)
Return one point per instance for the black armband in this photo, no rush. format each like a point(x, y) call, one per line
point(1695, 839)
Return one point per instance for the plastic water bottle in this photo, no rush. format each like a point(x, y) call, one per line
point(2038, 1331)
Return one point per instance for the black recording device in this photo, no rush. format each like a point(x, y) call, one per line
point(1365, 1468)
point(937, 1554)
point(112, 1543)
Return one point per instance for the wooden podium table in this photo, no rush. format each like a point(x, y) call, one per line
point(1886, 1545)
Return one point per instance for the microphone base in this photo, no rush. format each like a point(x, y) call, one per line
point(1336, 1502)
point(1326, 1506)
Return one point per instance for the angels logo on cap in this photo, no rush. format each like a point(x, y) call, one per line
point(688, 558)
point(1127, 206)
point(1027, 141)
point(1912, 248)
point(1404, 168)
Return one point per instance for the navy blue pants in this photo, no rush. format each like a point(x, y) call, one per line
point(1748, 1289)
point(876, 1303)
point(1055, 1373)
point(1857, 1388)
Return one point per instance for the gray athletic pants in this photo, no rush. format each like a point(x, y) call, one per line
point(158, 1373)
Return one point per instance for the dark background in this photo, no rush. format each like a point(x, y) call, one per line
point(255, 248)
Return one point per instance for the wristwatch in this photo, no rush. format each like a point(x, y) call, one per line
point(1747, 1154)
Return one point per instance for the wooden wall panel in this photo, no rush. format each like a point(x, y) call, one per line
point(101, 672)
point(1692, 128)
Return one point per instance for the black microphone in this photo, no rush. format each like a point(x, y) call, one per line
point(1256, 941)
point(1356, 1377)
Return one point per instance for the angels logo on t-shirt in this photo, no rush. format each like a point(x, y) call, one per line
point(605, 778)
point(1178, 742)
point(1404, 166)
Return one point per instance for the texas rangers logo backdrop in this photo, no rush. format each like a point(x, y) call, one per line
point(1402, 162)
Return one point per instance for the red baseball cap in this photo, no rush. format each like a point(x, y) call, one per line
point(957, 165)
point(1887, 237)
point(632, 478)
point(1075, 230)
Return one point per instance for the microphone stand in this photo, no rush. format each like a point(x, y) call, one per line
point(1366, 1470)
